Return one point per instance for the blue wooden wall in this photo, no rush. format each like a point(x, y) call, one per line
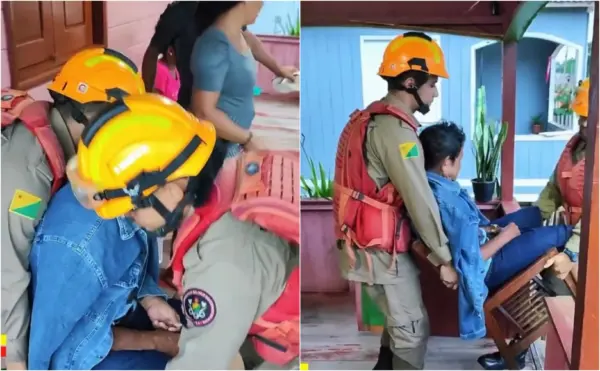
point(331, 88)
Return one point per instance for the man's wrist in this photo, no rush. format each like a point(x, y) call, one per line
point(129, 339)
point(16, 365)
point(147, 301)
point(247, 140)
point(437, 262)
point(279, 71)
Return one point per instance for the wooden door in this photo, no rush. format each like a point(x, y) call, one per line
point(72, 27)
point(30, 26)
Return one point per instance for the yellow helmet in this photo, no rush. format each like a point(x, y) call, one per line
point(582, 97)
point(132, 148)
point(97, 74)
point(413, 51)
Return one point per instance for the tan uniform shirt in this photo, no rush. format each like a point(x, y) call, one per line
point(232, 276)
point(550, 198)
point(26, 182)
point(394, 154)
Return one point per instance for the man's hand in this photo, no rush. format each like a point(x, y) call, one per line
point(16, 366)
point(575, 272)
point(449, 276)
point(165, 341)
point(161, 314)
point(288, 72)
point(510, 232)
point(561, 265)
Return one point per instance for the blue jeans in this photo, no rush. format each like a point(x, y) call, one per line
point(535, 240)
point(138, 359)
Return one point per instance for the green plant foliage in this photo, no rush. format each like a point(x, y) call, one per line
point(318, 186)
point(488, 139)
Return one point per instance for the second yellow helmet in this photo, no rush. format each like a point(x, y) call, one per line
point(135, 146)
point(582, 97)
point(97, 74)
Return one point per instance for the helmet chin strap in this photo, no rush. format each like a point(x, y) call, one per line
point(422, 108)
point(172, 219)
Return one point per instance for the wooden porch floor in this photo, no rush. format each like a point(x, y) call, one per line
point(331, 341)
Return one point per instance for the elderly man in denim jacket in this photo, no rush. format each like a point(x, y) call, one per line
point(87, 275)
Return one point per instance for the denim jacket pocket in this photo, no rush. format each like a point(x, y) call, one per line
point(131, 278)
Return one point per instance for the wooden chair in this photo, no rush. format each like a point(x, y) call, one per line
point(520, 302)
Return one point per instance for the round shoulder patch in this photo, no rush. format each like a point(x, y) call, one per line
point(199, 307)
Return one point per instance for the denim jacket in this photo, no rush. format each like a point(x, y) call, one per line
point(86, 274)
point(461, 220)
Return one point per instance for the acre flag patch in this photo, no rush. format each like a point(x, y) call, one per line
point(25, 204)
point(409, 150)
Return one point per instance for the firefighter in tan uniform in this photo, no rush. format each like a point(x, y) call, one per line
point(237, 277)
point(376, 202)
point(37, 137)
point(562, 198)
point(561, 202)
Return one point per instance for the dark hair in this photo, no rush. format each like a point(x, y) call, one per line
point(201, 185)
point(207, 12)
point(397, 83)
point(444, 139)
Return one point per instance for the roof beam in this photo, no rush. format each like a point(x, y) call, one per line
point(521, 20)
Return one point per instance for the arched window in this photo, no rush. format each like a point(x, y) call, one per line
point(564, 73)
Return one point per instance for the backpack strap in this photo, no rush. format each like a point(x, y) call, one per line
point(188, 234)
point(18, 105)
point(35, 118)
point(13, 102)
point(380, 108)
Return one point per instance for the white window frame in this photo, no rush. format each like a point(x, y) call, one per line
point(544, 136)
point(552, 82)
point(432, 116)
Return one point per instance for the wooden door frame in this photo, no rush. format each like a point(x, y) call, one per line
point(99, 32)
point(99, 23)
point(585, 331)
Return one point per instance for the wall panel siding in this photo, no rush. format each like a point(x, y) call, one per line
point(332, 89)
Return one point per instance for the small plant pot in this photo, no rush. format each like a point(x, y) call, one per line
point(483, 190)
point(536, 128)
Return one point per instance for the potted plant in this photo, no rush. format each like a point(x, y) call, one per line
point(320, 265)
point(537, 124)
point(289, 28)
point(488, 139)
point(292, 28)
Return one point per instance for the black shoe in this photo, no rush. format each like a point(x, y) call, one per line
point(385, 359)
point(494, 361)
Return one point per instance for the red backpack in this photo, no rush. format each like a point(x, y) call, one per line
point(262, 188)
point(19, 107)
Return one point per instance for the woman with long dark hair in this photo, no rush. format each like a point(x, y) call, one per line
point(224, 71)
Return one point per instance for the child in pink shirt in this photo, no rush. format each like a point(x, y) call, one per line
point(167, 82)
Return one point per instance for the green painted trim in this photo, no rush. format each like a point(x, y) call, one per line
point(371, 314)
point(524, 15)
